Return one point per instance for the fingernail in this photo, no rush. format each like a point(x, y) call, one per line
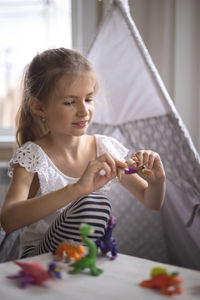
point(102, 172)
point(130, 161)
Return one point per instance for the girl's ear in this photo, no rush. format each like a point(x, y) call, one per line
point(37, 107)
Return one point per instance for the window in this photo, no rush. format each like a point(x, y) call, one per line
point(26, 27)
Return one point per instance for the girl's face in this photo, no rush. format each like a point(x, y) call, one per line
point(71, 107)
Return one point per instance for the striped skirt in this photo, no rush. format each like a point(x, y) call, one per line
point(93, 209)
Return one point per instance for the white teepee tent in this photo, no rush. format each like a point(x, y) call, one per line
point(139, 112)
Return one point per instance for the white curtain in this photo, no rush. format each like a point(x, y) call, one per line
point(170, 30)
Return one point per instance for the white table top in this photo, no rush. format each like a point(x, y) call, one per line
point(120, 280)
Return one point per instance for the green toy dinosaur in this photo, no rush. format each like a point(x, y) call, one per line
point(89, 260)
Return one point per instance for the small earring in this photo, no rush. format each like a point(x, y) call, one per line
point(43, 119)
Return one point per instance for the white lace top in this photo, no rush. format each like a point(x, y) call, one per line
point(34, 159)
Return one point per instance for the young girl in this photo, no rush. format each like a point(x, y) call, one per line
point(59, 173)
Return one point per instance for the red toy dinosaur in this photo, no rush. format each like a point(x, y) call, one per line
point(168, 284)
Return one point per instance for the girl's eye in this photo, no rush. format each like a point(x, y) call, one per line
point(73, 102)
point(68, 103)
point(89, 99)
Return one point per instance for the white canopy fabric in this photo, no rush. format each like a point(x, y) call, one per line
point(125, 68)
point(136, 109)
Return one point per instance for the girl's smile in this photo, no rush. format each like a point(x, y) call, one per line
point(81, 124)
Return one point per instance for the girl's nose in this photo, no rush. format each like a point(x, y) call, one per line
point(82, 109)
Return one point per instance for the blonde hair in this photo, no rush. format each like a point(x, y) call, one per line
point(39, 81)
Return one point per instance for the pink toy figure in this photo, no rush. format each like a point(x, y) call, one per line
point(31, 273)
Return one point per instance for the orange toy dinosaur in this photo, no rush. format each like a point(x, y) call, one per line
point(69, 250)
point(168, 284)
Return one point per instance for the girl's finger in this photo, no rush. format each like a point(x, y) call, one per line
point(139, 156)
point(120, 164)
point(134, 160)
point(105, 169)
point(112, 161)
point(145, 158)
point(151, 158)
point(109, 160)
point(100, 167)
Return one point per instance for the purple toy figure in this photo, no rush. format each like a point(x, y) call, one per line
point(107, 242)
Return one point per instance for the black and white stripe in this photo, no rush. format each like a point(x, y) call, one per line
point(93, 209)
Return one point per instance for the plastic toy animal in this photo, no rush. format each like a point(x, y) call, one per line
point(70, 251)
point(89, 261)
point(107, 242)
point(34, 273)
point(168, 284)
point(55, 270)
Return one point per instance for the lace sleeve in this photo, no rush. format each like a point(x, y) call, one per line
point(111, 145)
point(28, 156)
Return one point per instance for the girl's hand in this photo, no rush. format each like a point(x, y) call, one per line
point(99, 172)
point(152, 161)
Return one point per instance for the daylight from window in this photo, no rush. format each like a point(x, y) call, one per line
point(26, 28)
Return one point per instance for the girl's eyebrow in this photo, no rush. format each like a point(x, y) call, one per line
point(75, 97)
point(68, 96)
point(90, 94)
